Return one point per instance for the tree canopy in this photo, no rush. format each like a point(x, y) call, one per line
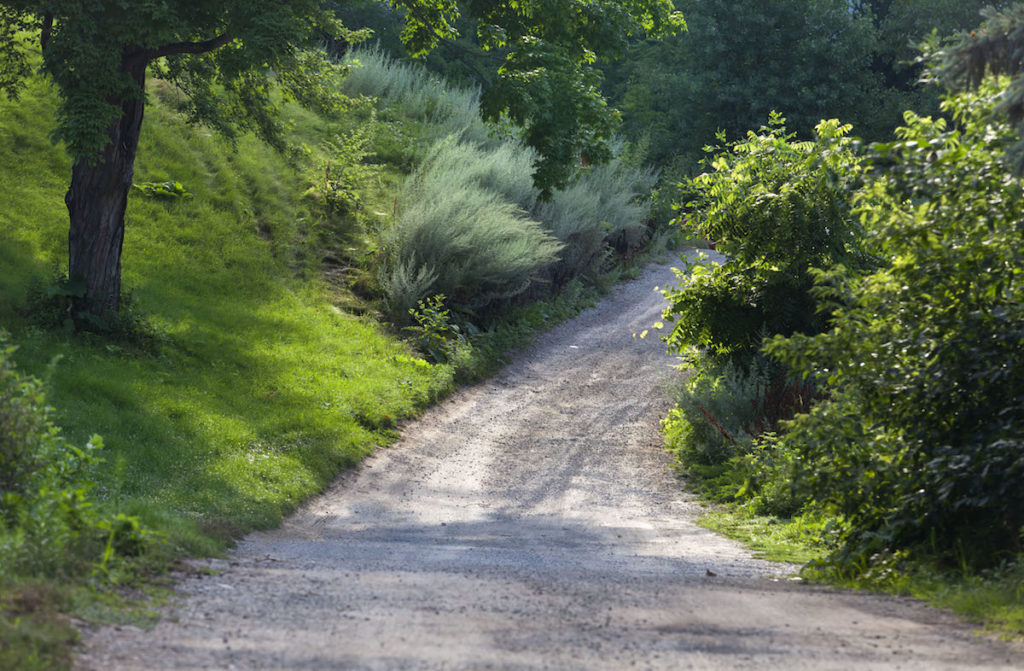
point(221, 53)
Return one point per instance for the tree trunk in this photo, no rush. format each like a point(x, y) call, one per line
point(97, 200)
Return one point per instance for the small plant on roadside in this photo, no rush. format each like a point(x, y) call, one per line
point(436, 334)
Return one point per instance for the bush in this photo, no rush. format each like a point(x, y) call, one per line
point(722, 431)
point(48, 525)
point(603, 209)
point(454, 236)
point(776, 208)
point(416, 94)
point(918, 448)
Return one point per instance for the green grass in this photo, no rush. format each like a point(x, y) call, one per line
point(993, 599)
point(796, 540)
point(250, 383)
point(35, 634)
point(256, 389)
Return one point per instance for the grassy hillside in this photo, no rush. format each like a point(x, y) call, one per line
point(252, 388)
point(254, 363)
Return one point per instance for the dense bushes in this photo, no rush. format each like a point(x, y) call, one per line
point(915, 445)
point(775, 208)
point(920, 444)
point(469, 222)
point(455, 236)
point(415, 94)
point(603, 210)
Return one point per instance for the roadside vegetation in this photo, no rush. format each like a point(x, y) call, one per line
point(299, 279)
point(856, 396)
point(266, 340)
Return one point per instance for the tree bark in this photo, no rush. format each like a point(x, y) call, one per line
point(97, 200)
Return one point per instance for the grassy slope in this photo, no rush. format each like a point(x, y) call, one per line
point(259, 388)
point(258, 384)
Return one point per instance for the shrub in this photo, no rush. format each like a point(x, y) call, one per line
point(918, 448)
point(604, 208)
point(342, 176)
point(416, 94)
point(434, 332)
point(723, 427)
point(456, 237)
point(776, 208)
point(503, 169)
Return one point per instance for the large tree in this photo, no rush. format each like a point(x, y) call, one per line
point(222, 53)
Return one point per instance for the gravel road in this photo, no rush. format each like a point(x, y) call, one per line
point(531, 522)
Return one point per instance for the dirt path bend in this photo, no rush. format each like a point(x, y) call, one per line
point(531, 522)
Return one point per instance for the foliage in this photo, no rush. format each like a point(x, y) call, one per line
point(776, 208)
point(26, 435)
point(407, 89)
point(34, 633)
point(605, 209)
point(454, 236)
point(901, 25)
point(458, 59)
point(256, 390)
point(225, 88)
point(235, 63)
point(345, 171)
point(994, 48)
point(797, 540)
point(550, 50)
point(917, 448)
point(436, 335)
point(808, 59)
point(48, 526)
point(219, 54)
point(722, 432)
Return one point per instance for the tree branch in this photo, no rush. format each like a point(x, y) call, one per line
point(175, 48)
point(461, 53)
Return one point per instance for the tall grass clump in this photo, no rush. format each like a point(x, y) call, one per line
point(501, 168)
point(414, 93)
point(603, 210)
point(456, 236)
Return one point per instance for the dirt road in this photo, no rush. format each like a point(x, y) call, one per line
point(531, 523)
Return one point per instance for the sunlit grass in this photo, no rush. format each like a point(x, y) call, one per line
point(794, 540)
point(256, 389)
